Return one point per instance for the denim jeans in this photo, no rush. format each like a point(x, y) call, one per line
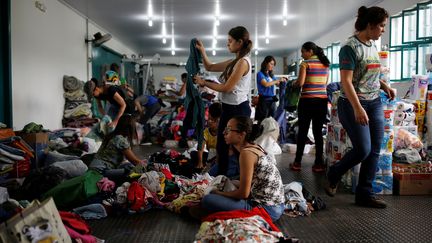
point(217, 203)
point(366, 141)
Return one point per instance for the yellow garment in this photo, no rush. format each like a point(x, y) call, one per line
point(210, 139)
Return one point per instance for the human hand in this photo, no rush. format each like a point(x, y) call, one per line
point(199, 45)
point(361, 116)
point(113, 124)
point(198, 80)
point(391, 93)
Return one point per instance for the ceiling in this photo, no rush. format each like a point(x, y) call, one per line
point(127, 20)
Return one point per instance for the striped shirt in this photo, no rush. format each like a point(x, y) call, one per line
point(316, 79)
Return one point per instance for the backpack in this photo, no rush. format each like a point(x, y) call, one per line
point(129, 97)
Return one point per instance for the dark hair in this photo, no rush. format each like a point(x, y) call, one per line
point(126, 127)
point(373, 16)
point(215, 110)
point(184, 75)
point(264, 63)
point(90, 86)
point(317, 51)
point(244, 124)
point(238, 33)
point(114, 66)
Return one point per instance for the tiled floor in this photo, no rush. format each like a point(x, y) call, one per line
point(407, 219)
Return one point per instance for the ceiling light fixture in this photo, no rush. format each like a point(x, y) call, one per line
point(172, 39)
point(256, 38)
point(164, 31)
point(150, 13)
point(285, 13)
point(267, 32)
point(217, 14)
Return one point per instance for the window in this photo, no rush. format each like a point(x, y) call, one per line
point(332, 53)
point(410, 41)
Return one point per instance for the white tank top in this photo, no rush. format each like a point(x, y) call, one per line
point(241, 90)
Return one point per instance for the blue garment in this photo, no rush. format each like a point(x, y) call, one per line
point(216, 203)
point(193, 103)
point(233, 168)
point(262, 90)
point(280, 115)
point(366, 141)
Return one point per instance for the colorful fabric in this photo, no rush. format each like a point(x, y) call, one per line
point(267, 186)
point(363, 59)
point(316, 79)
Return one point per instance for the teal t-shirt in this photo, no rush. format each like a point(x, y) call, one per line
point(363, 59)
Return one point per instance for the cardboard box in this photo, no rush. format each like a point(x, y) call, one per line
point(39, 142)
point(412, 183)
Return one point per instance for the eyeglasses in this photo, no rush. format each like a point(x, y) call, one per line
point(229, 129)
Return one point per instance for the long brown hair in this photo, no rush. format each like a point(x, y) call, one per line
point(238, 33)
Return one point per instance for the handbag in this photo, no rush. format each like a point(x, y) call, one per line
point(39, 222)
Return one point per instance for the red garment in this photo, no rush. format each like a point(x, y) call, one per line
point(242, 214)
point(167, 173)
point(75, 222)
point(84, 238)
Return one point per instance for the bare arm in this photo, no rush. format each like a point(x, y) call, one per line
point(130, 155)
point(240, 69)
point(268, 84)
point(247, 163)
point(302, 76)
point(138, 106)
point(122, 108)
point(346, 82)
point(390, 92)
point(100, 108)
point(208, 65)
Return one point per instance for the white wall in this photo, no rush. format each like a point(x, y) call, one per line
point(46, 46)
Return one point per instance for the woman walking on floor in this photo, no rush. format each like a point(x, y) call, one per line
point(359, 106)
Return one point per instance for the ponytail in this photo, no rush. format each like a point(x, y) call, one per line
point(317, 51)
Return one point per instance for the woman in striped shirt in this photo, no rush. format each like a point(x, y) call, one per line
point(313, 77)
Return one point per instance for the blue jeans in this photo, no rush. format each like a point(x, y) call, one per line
point(233, 168)
point(217, 203)
point(366, 141)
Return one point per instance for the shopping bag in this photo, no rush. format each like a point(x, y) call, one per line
point(39, 222)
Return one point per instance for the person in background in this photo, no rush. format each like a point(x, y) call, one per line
point(359, 107)
point(114, 95)
point(147, 106)
point(182, 91)
point(234, 87)
point(266, 82)
point(210, 135)
point(260, 183)
point(115, 157)
point(313, 78)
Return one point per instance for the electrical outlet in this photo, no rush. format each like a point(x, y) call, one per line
point(41, 6)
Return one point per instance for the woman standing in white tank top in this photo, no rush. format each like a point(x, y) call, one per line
point(233, 90)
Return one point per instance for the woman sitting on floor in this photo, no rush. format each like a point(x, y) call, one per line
point(260, 181)
point(116, 146)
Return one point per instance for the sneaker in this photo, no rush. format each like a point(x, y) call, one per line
point(295, 166)
point(370, 202)
point(318, 168)
point(331, 189)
